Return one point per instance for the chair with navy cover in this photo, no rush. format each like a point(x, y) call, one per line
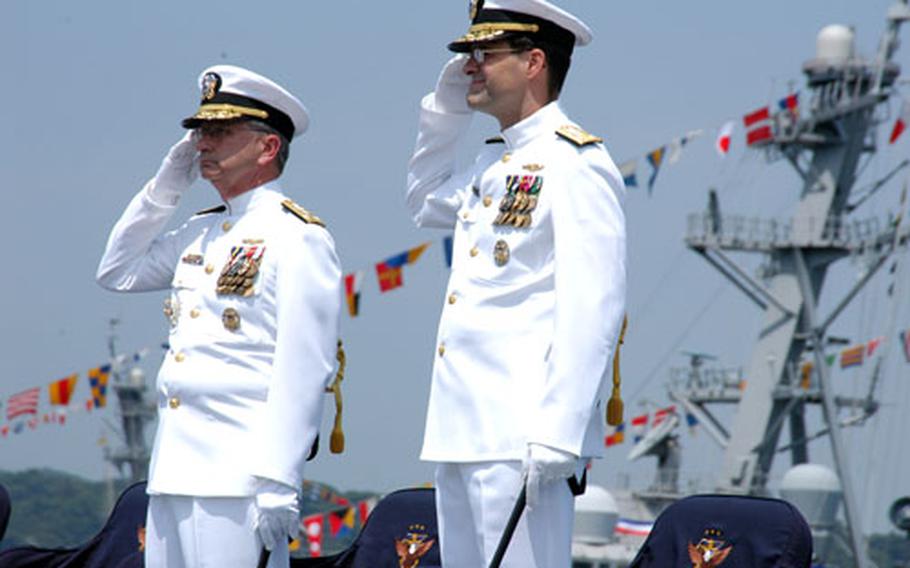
point(727, 531)
point(399, 533)
point(5, 510)
point(118, 543)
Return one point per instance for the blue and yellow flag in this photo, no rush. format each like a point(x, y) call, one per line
point(98, 378)
point(389, 270)
point(655, 158)
point(628, 171)
point(617, 436)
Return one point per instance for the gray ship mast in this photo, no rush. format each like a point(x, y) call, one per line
point(135, 414)
point(824, 145)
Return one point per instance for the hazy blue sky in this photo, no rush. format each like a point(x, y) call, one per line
point(92, 94)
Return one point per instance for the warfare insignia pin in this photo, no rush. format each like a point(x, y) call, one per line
point(501, 253)
point(413, 547)
point(211, 82)
point(532, 167)
point(194, 259)
point(231, 319)
point(710, 551)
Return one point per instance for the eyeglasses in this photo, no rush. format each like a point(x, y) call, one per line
point(479, 54)
point(218, 130)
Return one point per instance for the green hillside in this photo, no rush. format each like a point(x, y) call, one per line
point(55, 509)
point(52, 508)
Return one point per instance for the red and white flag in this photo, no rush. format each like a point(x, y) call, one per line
point(25, 402)
point(365, 508)
point(312, 527)
point(758, 126)
point(901, 123)
point(639, 424)
point(872, 345)
point(663, 413)
point(722, 144)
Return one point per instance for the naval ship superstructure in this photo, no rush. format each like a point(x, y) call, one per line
point(824, 142)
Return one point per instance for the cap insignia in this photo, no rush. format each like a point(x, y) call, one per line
point(302, 213)
point(211, 82)
point(577, 136)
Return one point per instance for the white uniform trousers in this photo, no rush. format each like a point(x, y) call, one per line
point(473, 504)
point(203, 532)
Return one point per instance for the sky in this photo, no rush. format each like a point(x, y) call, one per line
point(91, 99)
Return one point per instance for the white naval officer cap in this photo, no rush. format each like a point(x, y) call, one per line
point(230, 92)
point(496, 19)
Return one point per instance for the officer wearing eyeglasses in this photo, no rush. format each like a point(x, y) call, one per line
point(537, 290)
point(253, 311)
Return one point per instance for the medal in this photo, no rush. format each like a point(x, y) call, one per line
point(501, 252)
point(239, 272)
point(231, 319)
point(521, 198)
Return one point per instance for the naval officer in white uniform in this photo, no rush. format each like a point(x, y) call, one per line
point(253, 311)
point(537, 290)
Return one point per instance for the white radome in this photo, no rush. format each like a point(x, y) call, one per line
point(811, 477)
point(835, 43)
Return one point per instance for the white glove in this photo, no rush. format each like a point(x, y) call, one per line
point(178, 171)
point(545, 464)
point(452, 87)
point(277, 514)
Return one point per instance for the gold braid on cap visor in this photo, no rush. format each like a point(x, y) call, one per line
point(226, 112)
point(488, 31)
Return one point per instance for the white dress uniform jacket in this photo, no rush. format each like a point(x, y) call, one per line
point(233, 403)
point(532, 314)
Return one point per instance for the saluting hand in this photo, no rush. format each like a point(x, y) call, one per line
point(178, 171)
point(452, 87)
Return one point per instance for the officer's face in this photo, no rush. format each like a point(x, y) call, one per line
point(499, 83)
point(228, 153)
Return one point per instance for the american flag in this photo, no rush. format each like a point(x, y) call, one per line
point(25, 402)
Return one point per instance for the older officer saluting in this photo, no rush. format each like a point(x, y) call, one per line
point(253, 310)
point(537, 291)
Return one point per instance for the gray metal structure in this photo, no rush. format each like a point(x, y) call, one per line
point(824, 143)
point(135, 414)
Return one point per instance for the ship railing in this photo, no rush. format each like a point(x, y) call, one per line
point(740, 232)
point(669, 481)
point(709, 378)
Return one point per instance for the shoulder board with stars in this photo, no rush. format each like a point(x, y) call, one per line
point(210, 210)
point(495, 140)
point(301, 213)
point(577, 136)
